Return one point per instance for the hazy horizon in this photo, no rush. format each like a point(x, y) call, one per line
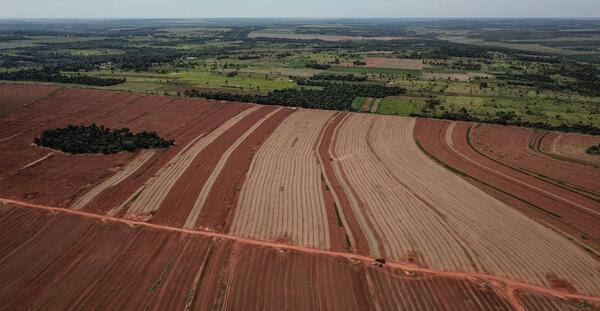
point(189, 9)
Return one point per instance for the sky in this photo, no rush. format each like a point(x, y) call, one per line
point(296, 8)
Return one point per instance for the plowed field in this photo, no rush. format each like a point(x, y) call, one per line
point(284, 208)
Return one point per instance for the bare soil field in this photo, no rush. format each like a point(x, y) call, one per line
point(282, 197)
point(153, 268)
point(539, 302)
point(558, 208)
point(423, 213)
point(570, 147)
point(395, 63)
point(436, 196)
point(519, 148)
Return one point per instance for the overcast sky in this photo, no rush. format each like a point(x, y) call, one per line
point(296, 8)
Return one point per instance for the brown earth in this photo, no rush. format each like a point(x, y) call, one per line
point(101, 264)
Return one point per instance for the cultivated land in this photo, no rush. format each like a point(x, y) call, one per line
point(253, 200)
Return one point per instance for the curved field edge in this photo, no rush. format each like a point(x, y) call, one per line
point(432, 138)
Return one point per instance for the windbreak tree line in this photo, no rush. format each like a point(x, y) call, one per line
point(54, 75)
point(77, 139)
point(334, 96)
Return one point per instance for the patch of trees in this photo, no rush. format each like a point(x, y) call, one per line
point(54, 75)
point(586, 79)
point(326, 79)
point(443, 50)
point(333, 96)
point(318, 66)
point(334, 77)
point(593, 150)
point(78, 139)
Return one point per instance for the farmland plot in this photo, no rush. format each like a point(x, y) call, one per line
point(13, 97)
point(396, 63)
point(150, 196)
point(418, 208)
point(282, 197)
point(517, 149)
point(570, 146)
point(204, 118)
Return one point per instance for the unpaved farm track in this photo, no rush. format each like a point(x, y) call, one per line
point(159, 267)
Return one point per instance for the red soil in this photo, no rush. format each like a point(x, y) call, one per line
point(219, 208)
point(570, 147)
point(207, 117)
point(39, 174)
point(516, 147)
point(15, 96)
point(534, 202)
point(82, 263)
point(538, 302)
point(176, 207)
point(361, 246)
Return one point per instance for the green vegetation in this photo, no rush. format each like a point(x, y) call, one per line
point(541, 73)
point(402, 106)
point(390, 71)
point(98, 139)
point(593, 150)
point(53, 75)
point(333, 96)
point(357, 103)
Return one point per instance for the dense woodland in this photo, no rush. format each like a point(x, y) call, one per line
point(54, 75)
point(78, 139)
point(331, 97)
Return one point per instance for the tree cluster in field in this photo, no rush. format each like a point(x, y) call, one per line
point(593, 150)
point(334, 96)
point(78, 139)
point(318, 66)
point(53, 75)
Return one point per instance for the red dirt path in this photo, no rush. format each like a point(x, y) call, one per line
point(143, 260)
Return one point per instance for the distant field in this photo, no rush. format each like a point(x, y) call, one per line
point(395, 63)
point(402, 106)
point(297, 36)
point(455, 76)
point(516, 46)
point(241, 81)
point(392, 71)
point(36, 41)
